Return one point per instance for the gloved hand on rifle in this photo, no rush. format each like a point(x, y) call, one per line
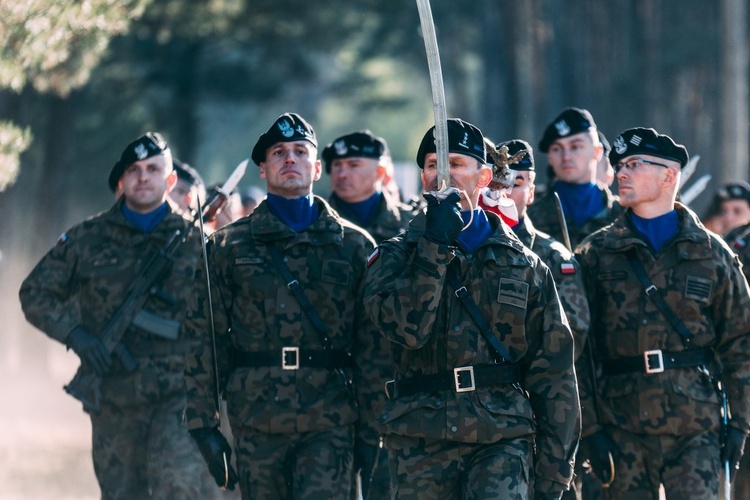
point(444, 222)
point(597, 449)
point(90, 349)
point(734, 445)
point(217, 453)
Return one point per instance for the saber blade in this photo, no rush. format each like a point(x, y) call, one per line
point(438, 92)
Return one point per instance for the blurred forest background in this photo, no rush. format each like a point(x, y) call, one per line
point(80, 79)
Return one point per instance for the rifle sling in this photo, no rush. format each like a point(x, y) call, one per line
point(653, 293)
point(294, 287)
point(476, 314)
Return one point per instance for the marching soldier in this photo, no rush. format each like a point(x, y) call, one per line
point(141, 447)
point(573, 150)
point(734, 204)
point(483, 354)
point(670, 317)
point(357, 165)
point(188, 189)
point(298, 361)
point(562, 264)
point(559, 259)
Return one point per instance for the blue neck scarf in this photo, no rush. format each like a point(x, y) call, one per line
point(580, 202)
point(145, 222)
point(360, 212)
point(659, 230)
point(297, 213)
point(477, 233)
point(518, 226)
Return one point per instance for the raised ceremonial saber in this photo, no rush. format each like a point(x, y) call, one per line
point(438, 94)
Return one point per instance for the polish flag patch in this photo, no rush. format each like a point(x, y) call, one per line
point(739, 244)
point(373, 257)
point(567, 268)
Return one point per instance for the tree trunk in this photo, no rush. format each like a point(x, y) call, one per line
point(734, 92)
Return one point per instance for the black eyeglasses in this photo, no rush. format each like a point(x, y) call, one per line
point(634, 163)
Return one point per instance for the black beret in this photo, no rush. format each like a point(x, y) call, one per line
point(361, 144)
point(647, 141)
point(516, 146)
point(289, 127)
point(570, 122)
point(739, 190)
point(187, 173)
point(463, 138)
point(148, 145)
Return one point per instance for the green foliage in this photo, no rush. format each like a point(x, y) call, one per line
point(54, 44)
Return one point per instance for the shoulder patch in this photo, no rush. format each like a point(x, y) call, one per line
point(567, 268)
point(62, 239)
point(373, 256)
point(739, 243)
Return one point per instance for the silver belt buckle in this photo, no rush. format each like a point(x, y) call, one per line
point(458, 379)
point(290, 352)
point(648, 356)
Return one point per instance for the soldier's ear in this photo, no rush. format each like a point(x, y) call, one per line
point(672, 176)
point(171, 180)
point(485, 177)
point(381, 172)
point(262, 170)
point(318, 170)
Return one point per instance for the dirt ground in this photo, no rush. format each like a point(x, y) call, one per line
point(45, 438)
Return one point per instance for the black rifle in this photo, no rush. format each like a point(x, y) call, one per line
point(86, 385)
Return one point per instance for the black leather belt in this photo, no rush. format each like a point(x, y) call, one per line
point(657, 361)
point(293, 358)
point(461, 379)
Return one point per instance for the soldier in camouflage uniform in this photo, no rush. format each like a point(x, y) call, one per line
point(483, 354)
point(734, 203)
point(141, 447)
point(356, 163)
point(562, 264)
point(559, 259)
point(573, 150)
point(669, 305)
point(300, 364)
point(738, 239)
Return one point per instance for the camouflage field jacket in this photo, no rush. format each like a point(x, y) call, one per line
point(255, 311)
point(567, 274)
point(546, 219)
point(83, 279)
point(701, 281)
point(430, 331)
point(738, 240)
point(391, 217)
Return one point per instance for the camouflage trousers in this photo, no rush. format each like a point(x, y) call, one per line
point(687, 466)
point(144, 451)
point(432, 469)
point(310, 465)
